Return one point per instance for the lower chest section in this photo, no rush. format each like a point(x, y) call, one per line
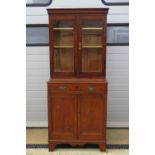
point(77, 111)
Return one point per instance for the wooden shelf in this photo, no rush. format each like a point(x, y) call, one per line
point(64, 28)
point(91, 46)
point(92, 28)
point(63, 46)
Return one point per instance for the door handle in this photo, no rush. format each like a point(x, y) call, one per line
point(62, 88)
point(92, 89)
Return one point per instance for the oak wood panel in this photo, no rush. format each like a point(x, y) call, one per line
point(63, 116)
point(91, 115)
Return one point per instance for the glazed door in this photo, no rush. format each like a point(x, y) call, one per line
point(91, 46)
point(63, 46)
point(63, 116)
point(92, 116)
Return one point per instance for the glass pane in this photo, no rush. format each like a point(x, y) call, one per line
point(91, 60)
point(63, 38)
point(118, 34)
point(92, 24)
point(92, 34)
point(91, 38)
point(63, 34)
point(63, 60)
point(92, 46)
point(37, 35)
point(63, 24)
point(63, 46)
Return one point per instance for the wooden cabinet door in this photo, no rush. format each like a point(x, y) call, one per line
point(62, 116)
point(63, 45)
point(92, 48)
point(92, 117)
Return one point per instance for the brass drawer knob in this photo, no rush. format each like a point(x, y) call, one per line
point(62, 88)
point(91, 89)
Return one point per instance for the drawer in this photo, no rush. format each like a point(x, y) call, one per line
point(92, 88)
point(77, 88)
point(62, 87)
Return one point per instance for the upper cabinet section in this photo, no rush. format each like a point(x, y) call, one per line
point(77, 42)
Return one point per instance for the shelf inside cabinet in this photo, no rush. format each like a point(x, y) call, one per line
point(92, 28)
point(62, 28)
point(91, 46)
point(63, 46)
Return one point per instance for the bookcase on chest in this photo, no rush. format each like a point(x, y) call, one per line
point(77, 89)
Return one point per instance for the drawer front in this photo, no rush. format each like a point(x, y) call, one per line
point(77, 88)
point(62, 87)
point(92, 88)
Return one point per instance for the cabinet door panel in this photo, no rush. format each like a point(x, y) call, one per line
point(92, 46)
point(92, 116)
point(63, 116)
point(63, 46)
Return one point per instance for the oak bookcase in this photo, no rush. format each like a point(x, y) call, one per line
point(77, 89)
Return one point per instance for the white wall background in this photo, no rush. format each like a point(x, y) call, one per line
point(38, 67)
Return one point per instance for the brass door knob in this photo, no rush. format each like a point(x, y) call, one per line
point(62, 88)
point(91, 89)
